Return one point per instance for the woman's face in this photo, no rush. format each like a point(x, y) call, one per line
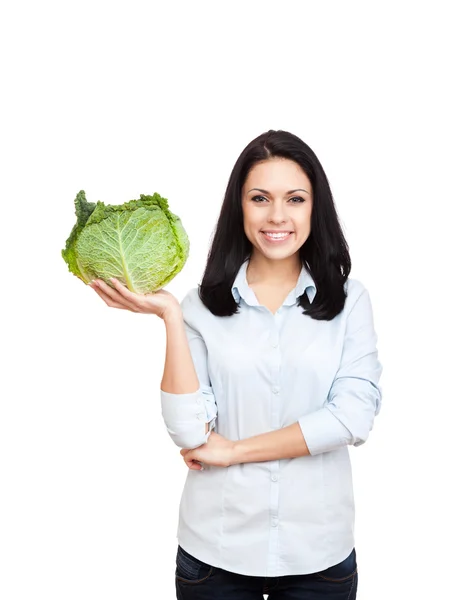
point(282, 203)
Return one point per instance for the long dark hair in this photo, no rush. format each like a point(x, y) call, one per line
point(325, 253)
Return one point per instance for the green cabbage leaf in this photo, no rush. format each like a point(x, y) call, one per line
point(141, 243)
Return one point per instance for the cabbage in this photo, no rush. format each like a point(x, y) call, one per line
point(140, 242)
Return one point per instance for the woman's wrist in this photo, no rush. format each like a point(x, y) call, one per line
point(173, 315)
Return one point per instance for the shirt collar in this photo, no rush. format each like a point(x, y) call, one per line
point(241, 289)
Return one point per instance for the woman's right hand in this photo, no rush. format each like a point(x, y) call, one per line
point(160, 303)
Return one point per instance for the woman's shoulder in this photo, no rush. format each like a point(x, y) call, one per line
point(191, 297)
point(192, 303)
point(195, 313)
point(354, 288)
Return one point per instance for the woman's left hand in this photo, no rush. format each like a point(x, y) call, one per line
point(218, 451)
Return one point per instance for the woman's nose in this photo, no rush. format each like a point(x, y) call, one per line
point(277, 214)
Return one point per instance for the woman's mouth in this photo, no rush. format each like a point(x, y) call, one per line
point(276, 238)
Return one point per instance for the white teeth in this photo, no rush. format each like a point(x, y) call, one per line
point(277, 235)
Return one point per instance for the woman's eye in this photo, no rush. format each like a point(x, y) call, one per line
point(298, 198)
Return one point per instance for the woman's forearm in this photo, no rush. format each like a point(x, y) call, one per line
point(179, 375)
point(287, 442)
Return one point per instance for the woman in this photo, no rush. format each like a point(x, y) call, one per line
point(271, 371)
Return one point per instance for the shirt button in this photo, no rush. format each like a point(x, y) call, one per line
point(274, 522)
point(274, 477)
point(200, 415)
point(275, 344)
point(199, 401)
point(275, 390)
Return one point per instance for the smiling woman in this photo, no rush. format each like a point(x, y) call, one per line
point(284, 347)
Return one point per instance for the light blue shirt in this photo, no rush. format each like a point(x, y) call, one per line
point(259, 372)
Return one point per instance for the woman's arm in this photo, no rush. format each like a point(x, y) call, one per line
point(187, 398)
point(288, 442)
point(355, 397)
point(179, 373)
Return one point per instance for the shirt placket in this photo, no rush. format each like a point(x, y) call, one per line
point(275, 352)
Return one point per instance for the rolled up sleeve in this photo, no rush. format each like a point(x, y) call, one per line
point(185, 415)
point(355, 397)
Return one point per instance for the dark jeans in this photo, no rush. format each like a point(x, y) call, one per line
point(196, 580)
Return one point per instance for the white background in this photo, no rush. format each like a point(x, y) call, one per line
point(128, 98)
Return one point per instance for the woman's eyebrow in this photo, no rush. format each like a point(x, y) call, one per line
point(269, 193)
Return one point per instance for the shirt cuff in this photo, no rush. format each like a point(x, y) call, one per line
point(323, 432)
point(182, 407)
point(186, 414)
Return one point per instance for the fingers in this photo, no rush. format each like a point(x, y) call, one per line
point(191, 463)
point(123, 290)
point(112, 299)
point(109, 301)
point(126, 296)
point(194, 465)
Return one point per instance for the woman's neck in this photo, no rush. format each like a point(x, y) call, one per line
point(261, 271)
